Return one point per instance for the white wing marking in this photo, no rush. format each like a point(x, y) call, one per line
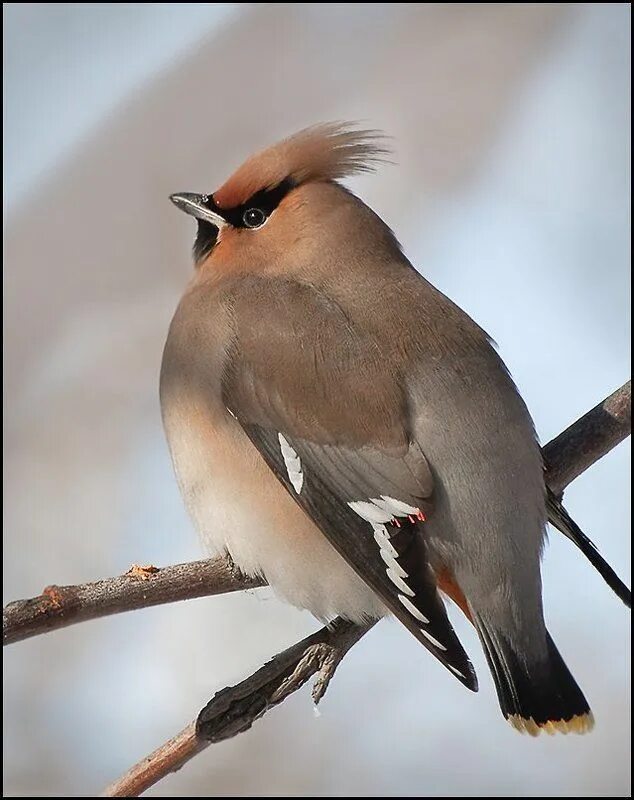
point(293, 464)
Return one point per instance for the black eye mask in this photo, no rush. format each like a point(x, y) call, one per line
point(250, 215)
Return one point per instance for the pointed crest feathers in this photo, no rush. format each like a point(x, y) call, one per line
point(325, 152)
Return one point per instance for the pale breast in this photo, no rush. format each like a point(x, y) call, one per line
point(240, 508)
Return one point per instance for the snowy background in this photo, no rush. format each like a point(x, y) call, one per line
point(511, 193)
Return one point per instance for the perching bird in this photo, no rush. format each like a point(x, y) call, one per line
point(340, 427)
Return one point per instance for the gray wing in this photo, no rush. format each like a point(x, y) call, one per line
point(330, 418)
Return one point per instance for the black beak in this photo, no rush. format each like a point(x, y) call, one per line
point(197, 206)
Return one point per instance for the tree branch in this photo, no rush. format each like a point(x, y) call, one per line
point(588, 439)
point(140, 587)
point(233, 710)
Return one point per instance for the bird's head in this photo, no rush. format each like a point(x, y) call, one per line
point(266, 200)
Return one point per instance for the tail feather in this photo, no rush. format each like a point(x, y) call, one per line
point(534, 697)
point(564, 523)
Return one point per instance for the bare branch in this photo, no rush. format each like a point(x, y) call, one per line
point(234, 709)
point(589, 439)
point(140, 587)
point(169, 757)
point(571, 453)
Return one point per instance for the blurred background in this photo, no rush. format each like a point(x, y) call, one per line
point(510, 192)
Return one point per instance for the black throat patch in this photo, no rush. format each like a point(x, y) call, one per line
point(205, 240)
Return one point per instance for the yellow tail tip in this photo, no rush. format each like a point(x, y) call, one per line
point(580, 723)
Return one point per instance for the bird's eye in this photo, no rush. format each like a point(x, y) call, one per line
point(254, 217)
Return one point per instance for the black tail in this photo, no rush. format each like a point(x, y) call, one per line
point(562, 520)
point(534, 697)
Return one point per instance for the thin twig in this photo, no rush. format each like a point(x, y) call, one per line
point(169, 757)
point(140, 587)
point(234, 709)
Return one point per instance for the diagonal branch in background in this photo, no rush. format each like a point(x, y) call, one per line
point(234, 709)
point(566, 457)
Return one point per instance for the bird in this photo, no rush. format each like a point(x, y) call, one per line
point(342, 429)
